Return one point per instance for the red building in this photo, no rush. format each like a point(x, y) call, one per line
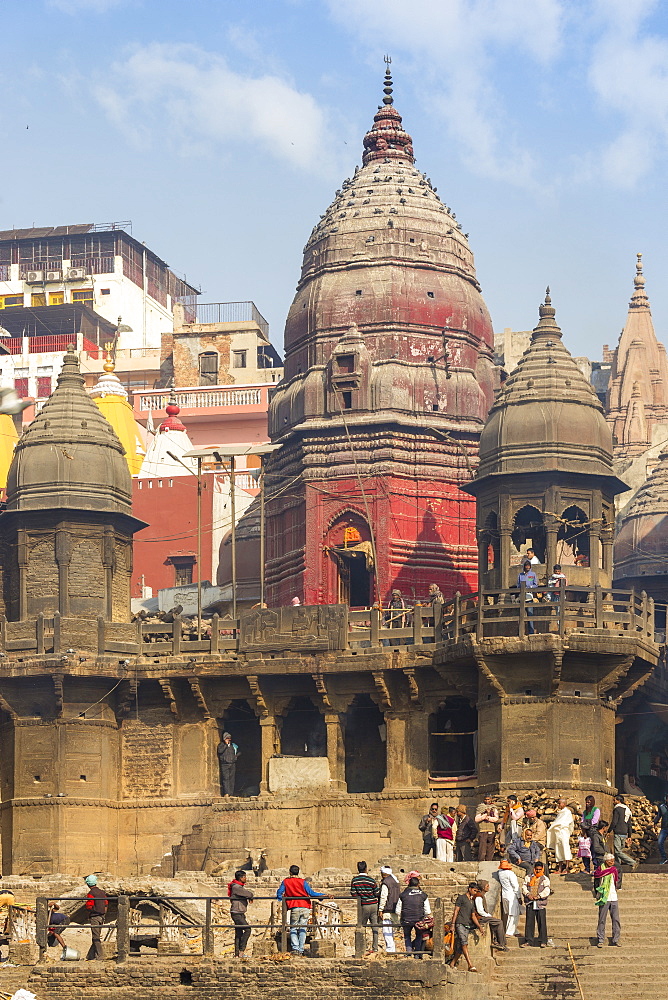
point(389, 375)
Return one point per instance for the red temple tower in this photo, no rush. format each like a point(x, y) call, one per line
point(388, 380)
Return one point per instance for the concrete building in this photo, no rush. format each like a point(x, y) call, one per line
point(100, 266)
point(389, 375)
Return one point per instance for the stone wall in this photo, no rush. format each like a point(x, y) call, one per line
point(315, 979)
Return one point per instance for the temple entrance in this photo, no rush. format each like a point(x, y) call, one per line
point(244, 726)
point(354, 580)
point(529, 532)
point(304, 732)
point(365, 746)
point(453, 735)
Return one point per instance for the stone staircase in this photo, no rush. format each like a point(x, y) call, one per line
point(638, 970)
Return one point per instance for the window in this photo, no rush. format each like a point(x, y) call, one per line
point(84, 296)
point(183, 569)
point(7, 301)
point(38, 299)
point(43, 386)
point(21, 386)
point(346, 363)
point(105, 291)
point(208, 368)
point(239, 359)
point(56, 298)
point(346, 400)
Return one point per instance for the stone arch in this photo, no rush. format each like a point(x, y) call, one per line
point(240, 719)
point(348, 540)
point(573, 537)
point(365, 745)
point(489, 543)
point(529, 531)
point(453, 739)
point(303, 730)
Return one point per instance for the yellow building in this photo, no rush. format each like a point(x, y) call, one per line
point(8, 439)
point(112, 401)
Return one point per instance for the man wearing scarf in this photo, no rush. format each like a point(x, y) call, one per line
point(558, 836)
point(512, 818)
point(536, 892)
point(609, 881)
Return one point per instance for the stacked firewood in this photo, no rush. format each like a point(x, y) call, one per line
point(643, 838)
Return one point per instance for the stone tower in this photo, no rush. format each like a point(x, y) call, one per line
point(549, 689)
point(638, 391)
point(545, 476)
point(641, 546)
point(68, 525)
point(388, 380)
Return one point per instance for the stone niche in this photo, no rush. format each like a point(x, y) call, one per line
point(287, 774)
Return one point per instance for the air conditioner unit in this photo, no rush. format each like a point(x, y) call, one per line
point(54, 275)
point(76, 273)
point(34, 277)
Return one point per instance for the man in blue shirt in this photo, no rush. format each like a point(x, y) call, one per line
point(530, 580)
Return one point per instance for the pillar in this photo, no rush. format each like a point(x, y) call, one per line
point(336, 752)
point(407, 751)
point(268, 736)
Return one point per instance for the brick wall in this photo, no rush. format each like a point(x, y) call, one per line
point(147, 756)
point(315, 979)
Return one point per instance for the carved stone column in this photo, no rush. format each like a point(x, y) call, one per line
point(336, 752)
point(407, 751)
point(269, 737)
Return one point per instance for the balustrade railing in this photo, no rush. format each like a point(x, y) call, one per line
point(196, 399)
point(488, 614)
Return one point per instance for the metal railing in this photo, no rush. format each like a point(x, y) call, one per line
point(227, 312)
point(55, 343)
point(166, 929)
point(196, 399)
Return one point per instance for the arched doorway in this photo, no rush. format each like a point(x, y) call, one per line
point(349, 543)
point(366, 764)
point(304, 732)
point(573, 541)
point(453, 738)
point(244, 726)
point(529, 532)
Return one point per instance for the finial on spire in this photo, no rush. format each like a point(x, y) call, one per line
point(639, 298)
point(547, 322)
point(387, 88)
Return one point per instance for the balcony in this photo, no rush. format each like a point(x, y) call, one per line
point(205, 398)
point(52, 344)
point(224, 312)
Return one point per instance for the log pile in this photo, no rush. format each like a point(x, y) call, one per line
point(644, 836)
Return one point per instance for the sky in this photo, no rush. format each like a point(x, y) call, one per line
point(222, 129)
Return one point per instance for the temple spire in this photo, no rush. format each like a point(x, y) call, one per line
point(547, 323)
point(387, 88)
point(639, 298)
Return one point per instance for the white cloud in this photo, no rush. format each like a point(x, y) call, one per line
point(454, 45)
point(191, 96)
point(78, 6)
point(629, 75)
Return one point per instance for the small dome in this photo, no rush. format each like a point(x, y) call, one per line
point(70, 456)
point(547, 416)
point(641, 547)
point(111, 400)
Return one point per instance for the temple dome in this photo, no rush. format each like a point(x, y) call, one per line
point(70, 456)
point(388, 257)
point(641, 546)
point(111, 400)
point(547, 416)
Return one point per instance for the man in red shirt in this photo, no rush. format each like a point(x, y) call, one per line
point(298, 894)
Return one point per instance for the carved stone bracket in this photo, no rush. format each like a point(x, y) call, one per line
point(609, 680)
point(256, 691)
point(413, 689)
point(127, 697)
point(168, 692)
point(557, 656)
point(321, 688)
point(382, 689)
point(58, 692)
point(199, 697)
point(486, 671)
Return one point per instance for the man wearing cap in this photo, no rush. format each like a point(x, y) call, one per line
point(228, 753)
point(395, 616)
point(387, 906)
point(539, 829)
point(96, 904)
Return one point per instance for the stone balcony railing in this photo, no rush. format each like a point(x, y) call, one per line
point(204, 398)
point(505, 613)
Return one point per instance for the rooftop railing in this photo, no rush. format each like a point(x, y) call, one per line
point(226, 312)
point(198, 399)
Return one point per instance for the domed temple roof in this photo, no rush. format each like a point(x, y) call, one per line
point(389, 257)
point(70, 456)
point(547, 416)
point(112, 401)
point(641, 546)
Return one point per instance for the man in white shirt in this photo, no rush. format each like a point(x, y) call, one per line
point(496, 928)
point(532, 557)
point(558, 836)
